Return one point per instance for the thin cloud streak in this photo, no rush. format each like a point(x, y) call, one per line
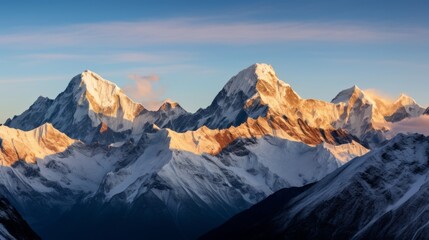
point(375, 93)
point(196, 31)
point(145, 89)
point(118, 57)
point(385, 62)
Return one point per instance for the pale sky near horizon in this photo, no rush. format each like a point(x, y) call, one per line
point(187, 50)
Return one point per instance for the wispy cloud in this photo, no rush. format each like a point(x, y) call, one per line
point(411, 125)
point(378, 94)
point(161, 57)
point(197, 31)
point(145, 89)
point(383, 62)
point(53, 56)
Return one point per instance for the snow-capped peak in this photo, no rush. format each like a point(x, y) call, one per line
point(404, 107)
point(246, 80)
point(349, 94)
point(106, 101)
point(94, 81)
point(360, 111)
point(405, 100)
point(169, 105)
point(101, 90)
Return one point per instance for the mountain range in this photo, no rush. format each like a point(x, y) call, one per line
point(94, 164)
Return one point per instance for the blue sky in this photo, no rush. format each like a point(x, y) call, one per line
point(187, 50)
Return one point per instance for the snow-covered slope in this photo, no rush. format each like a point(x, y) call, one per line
point(49, 173)
point(178, 179)
point(213, 141)
point(32, 145)
point(380, 195)
point(200, 191)
point(12, 225)
point(163, 150)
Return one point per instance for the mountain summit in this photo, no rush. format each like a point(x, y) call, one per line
point(102, 101)
point(258, 78)
point(249, 94)
point(88, 102)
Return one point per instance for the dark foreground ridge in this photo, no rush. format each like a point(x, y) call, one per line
point(12, 225)
point(382, 195)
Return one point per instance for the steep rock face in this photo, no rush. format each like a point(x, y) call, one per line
point(12, 225)
point(374, 196)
